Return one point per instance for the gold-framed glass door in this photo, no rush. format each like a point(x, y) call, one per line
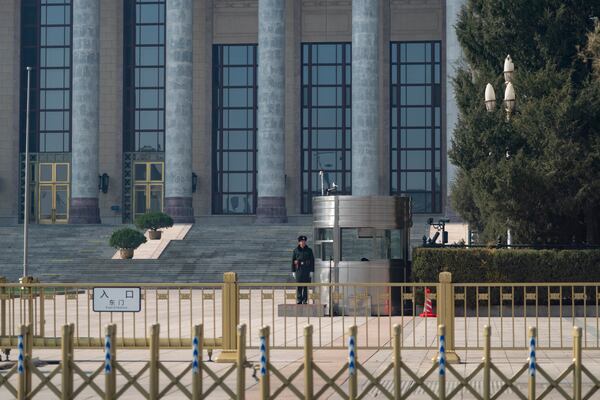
point(53, 193)
point(148, 188)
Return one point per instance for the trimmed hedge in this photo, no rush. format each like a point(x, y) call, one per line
point(126, 238)
point(506, 265)
point(153, 221)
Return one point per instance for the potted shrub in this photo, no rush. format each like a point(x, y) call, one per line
point(153, 221)
point(127, 240)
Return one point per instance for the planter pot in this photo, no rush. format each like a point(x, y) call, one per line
point(154, 235)
point(126, 253)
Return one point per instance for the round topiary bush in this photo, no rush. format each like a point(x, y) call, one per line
point(154, 221)
point(126, 238)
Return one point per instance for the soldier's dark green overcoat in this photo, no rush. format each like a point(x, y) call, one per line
point(306, 263)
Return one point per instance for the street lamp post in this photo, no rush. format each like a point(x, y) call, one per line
point(509, 106)
point(26, 186)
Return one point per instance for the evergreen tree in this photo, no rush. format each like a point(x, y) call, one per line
point(539, 172)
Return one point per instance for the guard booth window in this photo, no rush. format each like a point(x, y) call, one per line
point(369, 244)
point(324, 244)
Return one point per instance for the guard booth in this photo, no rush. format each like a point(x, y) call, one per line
point(360, 240)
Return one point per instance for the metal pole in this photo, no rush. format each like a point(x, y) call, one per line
point(265, 381)
point(330, 289)
point(308, 363)
point(26, 186)
point(154, 361)
point(487, 364)
point(577, 363)
point(197, 344)
point(397, 345)
point(442, 363)
point(352, 361)
point(67, 362)
point(322, 183)
point(241, 361)
point(532, 362)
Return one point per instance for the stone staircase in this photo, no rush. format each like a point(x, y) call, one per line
point(81, 253)
point(214, 245)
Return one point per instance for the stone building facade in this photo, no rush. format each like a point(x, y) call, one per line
point(233, 107)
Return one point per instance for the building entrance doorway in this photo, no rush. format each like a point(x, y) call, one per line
point(53, 189)
point(148, 188)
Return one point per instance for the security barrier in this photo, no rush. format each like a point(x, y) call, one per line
point(353, 380)
point(553, 308)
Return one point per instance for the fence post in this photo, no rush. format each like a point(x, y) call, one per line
point(265, 390)
point(445, 303)
point(28, 356)
point(154, 358)
point(308, 362)
point(442, 363)
point(487, 361)
point(352, 361)
point(231, 317)
point(577, 389)
point(532, 362)
point(42, 314)
point(66, 361)
point(3, 280)
point(28, 290)
point(397, 345)
point(197, 342)
point(110, 358)
point(22, 364)
point(241, 361)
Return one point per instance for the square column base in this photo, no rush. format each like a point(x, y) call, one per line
point(271, 210)
point(84, 210)
point(180, 209)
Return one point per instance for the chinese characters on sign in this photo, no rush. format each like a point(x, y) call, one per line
point(117, 299)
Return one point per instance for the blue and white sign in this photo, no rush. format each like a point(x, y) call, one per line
point(117, 299)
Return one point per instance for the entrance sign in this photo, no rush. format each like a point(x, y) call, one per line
point(117, 299)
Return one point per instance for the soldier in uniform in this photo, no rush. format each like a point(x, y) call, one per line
point(303, 266)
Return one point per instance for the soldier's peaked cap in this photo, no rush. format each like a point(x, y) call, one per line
point(302, 237)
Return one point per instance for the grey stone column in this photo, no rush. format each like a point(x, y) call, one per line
point(271, 108)
point(178, 113)
point(365, 97)
point(453, 56)
point(85, 121)
point(10, 71)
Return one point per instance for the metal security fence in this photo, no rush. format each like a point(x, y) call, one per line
point(49, 306)
point(509, 309)
point(373, 308)
point(111, 378)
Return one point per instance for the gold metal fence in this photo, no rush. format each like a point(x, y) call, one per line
point(509, 309)
point(111, 377)
point(48, 306)
point(373, 308)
